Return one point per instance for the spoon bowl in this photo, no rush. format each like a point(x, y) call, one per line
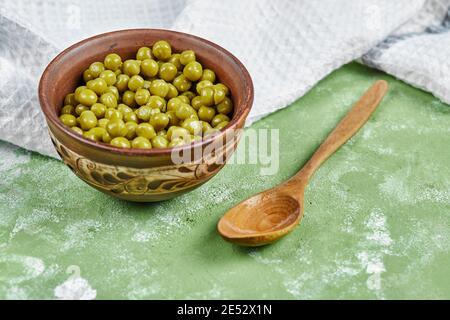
point(261, 219)
point(272, 214)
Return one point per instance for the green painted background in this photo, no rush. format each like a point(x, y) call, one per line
point(377, 215)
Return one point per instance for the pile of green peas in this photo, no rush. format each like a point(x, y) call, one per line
point(160, 100)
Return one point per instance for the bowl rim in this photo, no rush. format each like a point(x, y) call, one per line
point(53, 118)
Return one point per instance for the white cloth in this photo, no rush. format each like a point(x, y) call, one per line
point(419, 51)
point(287, 45)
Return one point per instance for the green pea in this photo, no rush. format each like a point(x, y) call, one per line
point(142, 96)
point(205, 126)
point(121, 142)
point(68, 120)
point(159, 88)
point(174, 103)
point(113, 62)
point(149, 68)
point(168, 72)
point(225, 107)
point(182, 83)
point(197, 102)
point(162, 50)
point(77, 93)
point(144, 53)
point(156, 102)
point(90, 136)
point(131, 127)
point(117, 128)
point(80, 108)
point(103, 123)
point(193, 116)
point(207, 95)
point(173, 92)
point(88, 120)
point(113, 90)
point(97, 133)
point(160, 142)
point(222, 125)
point(193, 126)
point(147, 84)
point(87, 97)
point(99, 86)
point(206, 113)
point(219, 95)
point(177, 132)
point(70, 100)
point(162, 133)
point(109, 76)
point(187, 57)
point(109, 100)
point(154, 111)
point(145, 130)
point(136, 82)
point(113, 114)
point(124, 109)
point(184, 111)
point(173, 120)
point(223, 87)
point(144, 113)
point(88, 76)
point(183, 98)
point(130, 116)
point(106, 138)
point(159, 121)
point(189, 94)
point(68, 109)
point(77, 130)
point(96, 69)
point(218, 119)
point(131, 68)
point(203, 84)
point(141, 143)
point(208, 75)
point(122, 82)
point(175, 60)
point(193, 71)
point(99, 110)
point(128, 98)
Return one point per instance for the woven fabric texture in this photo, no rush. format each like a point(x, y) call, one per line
point(288, 46)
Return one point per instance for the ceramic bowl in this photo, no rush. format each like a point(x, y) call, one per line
point(136, 174)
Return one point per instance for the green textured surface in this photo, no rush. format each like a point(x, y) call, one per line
point(377, 215)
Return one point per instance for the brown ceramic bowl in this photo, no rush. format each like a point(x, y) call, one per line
point(136, 174)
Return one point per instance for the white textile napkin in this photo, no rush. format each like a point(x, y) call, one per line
point(287, 45)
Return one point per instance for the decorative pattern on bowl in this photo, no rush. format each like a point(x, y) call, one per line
point(149, 183)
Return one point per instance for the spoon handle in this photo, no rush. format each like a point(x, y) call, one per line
point(348, 126)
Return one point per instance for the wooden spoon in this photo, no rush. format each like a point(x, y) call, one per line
point(270, 215)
